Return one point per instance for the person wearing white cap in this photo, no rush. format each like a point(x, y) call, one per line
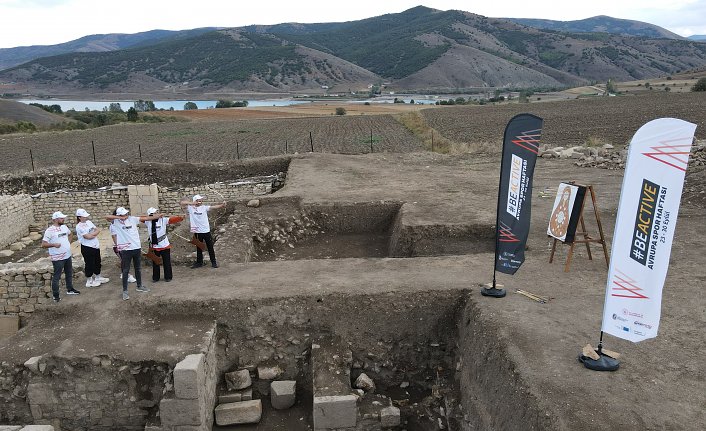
point(114, 237)
point(198, 217)
point(159, 243)
point(128, 243)
point(87, 234)
point(57, 241)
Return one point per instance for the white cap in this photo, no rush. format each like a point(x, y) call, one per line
point(82, 213)
point(121, 211)
point(151, 210)
point(197, 198)
point(57, 215)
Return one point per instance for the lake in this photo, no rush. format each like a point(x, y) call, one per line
point(176, 105)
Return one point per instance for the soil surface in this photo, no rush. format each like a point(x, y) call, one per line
point(660, 384)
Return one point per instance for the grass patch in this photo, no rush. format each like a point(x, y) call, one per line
point(436, 142)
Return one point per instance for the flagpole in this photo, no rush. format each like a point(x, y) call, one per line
point(493, 290)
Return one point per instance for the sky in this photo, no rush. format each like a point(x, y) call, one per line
point(48, 22)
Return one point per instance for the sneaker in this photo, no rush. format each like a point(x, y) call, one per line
point(92, 283)
point(167, 280)
point(197, 265)
point(131, 279)
point(57, 299)
point(100, 279)
point(142, 289)
point(73, 292)
point(125, 296)
point(214, 264)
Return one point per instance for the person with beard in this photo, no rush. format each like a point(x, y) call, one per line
point(57, 241)
point(87, 234)
point(159, 243)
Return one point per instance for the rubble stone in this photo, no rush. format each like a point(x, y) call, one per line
point(237, 380)
point(390, 417)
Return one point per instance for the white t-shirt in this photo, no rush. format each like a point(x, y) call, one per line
point(198, 217)
point(84, 228)
point(127, 235)
point(59, 234)
point(161, 232)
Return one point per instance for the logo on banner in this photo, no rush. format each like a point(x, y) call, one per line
point(505, 234)
point(517, 185)
point(528, 140)
point(651, 223)
point(676, 156)
point(625, 287)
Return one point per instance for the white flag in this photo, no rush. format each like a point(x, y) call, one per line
point(647, 215)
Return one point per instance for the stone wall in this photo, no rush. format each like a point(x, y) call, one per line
point(191, 404)
point(98, 203)
point(215, 193)
point(26, 287)
point(100, 393)
point(16, 215)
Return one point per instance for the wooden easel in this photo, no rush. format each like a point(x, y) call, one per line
point(586, 237)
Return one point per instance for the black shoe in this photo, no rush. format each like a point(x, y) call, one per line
point(214, 264)
point(197, 265)
point(73, 292)
point(167, 280)
point(57, 299)
point(155, 280)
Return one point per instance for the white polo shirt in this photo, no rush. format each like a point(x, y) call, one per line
point(84, 228)
point(59, 234)
point(128, 238)
point(198, 217)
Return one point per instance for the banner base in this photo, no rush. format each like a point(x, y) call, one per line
point(495, 293)
point(604, 363)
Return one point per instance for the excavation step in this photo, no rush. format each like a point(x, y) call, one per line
point(335, 404)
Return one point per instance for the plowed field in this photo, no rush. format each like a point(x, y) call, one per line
point(613, 120)
point(206, 141)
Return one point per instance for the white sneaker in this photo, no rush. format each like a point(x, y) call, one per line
point(131, 279)
point(100, 279)
point(92, 283)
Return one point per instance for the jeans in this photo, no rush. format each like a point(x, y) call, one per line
point(166, 256)
point(208, 239)
point(127, 256)
point(67, 268)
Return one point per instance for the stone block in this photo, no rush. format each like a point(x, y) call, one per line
point(244, 412)
point(238, 380)
point(230, 398)
point(10, 427)
point(9, 325)
point(189, 377)
point(337, 411)
point(38, 428)
point(390, 417)
point(246, 394)
point(283, 394)
point(174, 412)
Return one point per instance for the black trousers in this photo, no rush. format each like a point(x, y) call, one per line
point(208, 239)
point(134, 257)
point(166, 256)
point(92, 258)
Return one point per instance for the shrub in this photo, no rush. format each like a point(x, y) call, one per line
point(700, 85)
point(340, 111)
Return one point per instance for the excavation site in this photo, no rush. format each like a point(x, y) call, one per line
point(346, 297)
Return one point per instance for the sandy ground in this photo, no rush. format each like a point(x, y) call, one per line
point(661, 381)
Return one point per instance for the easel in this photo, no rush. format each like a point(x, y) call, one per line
point(586, 238)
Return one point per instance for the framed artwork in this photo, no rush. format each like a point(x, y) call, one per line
point(566, 212)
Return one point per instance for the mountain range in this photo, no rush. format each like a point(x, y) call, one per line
point(418, 49)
